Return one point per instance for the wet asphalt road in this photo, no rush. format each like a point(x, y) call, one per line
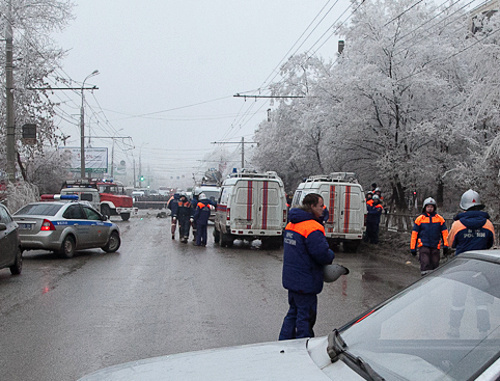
point(61, 319)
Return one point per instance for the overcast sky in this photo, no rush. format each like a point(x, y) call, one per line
point(169, 70)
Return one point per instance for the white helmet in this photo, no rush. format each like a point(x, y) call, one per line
point(470, 199)
point(333, 272)
point(202, 196)
point(429, 201)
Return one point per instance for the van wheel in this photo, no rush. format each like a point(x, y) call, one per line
point(333, 245)
point(216, 236)
point(226, 240)
point(106, 211)
point(272, 243)
point(350, 246)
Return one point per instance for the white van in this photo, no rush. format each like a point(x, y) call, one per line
point(345, 200)
point(85, 194)
point(251, 206)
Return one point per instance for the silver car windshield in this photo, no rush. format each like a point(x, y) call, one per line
point(47, 209)
point(446, 327)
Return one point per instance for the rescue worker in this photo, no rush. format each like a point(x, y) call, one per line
point(429, 230)
point(325, 216)
point(194, 204)
point(184, 215)
point(201, 216)
point(173, 204)
point(306, 251)
point(471, 230)
point(368, 197)
point(374, 210)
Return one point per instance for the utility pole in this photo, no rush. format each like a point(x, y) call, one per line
point(242, 148)
point(82, 128)
point(9, 94)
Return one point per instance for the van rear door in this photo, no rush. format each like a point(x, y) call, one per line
point(270, 206)
point(344, 202)
point(257, 205)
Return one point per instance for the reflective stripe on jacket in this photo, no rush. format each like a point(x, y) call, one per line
point(429, 230)
point(472, 230)
point(202, 212)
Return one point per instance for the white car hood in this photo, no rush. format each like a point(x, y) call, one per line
point(283, 360)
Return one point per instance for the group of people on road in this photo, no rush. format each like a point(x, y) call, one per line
point(307, 252)
point(190, 213)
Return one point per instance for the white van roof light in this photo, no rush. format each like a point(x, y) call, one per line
point(346, 177)
point(253, 174)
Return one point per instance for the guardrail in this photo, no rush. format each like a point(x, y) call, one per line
point(149, 204)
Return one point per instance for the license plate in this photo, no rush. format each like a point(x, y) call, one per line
point(25, 226)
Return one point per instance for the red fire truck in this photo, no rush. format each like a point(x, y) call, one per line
point(112, 198)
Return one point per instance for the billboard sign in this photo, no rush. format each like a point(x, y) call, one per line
point(96, 158)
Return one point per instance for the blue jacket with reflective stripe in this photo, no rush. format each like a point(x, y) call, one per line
point(306, 251)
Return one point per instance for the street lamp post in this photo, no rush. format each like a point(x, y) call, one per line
point(82, 128)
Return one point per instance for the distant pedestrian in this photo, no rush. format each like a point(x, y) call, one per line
point(306, 251)
point(184, 215)
point(325, 216)
point(201, 216)
point(374, 210)
point(173, 204)
point(429, 232)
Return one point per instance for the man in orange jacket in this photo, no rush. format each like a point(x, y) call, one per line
point(428, 232)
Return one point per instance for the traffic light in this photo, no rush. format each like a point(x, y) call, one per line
point(141, 178)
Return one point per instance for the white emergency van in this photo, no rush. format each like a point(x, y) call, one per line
point(251, 206)
point(345, 200)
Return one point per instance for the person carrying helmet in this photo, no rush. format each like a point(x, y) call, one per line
point(201, 216)
point(429, 230)
point(184, 215)
point(374, 210)
point(306, 252)
point(471, 229)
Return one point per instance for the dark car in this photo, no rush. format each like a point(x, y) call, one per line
point(11, 255)
point(445, 327)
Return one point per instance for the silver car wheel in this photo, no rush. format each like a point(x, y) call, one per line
point(113, 243)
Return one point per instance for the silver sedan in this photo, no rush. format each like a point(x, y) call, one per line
point(65, 227)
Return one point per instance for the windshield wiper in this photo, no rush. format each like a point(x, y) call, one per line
point(337, 349)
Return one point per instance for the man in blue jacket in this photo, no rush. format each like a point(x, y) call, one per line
point(201, 216)
point(472, 229)
point(306, 251)
point(374, 210)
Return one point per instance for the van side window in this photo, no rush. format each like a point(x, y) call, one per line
point(296, 199)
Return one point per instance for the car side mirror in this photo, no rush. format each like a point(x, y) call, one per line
point(104, 218)
point(3, 226)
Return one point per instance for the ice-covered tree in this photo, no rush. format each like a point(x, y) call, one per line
point(35, 59)
point(397, 106)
